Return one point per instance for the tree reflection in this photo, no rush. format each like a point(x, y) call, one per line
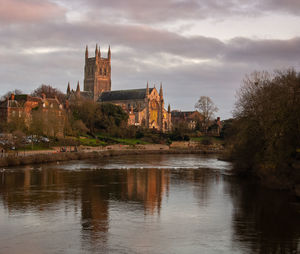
point(265, 220)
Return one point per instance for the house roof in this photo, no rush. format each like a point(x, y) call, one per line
point(21, 100)
point(123, 95)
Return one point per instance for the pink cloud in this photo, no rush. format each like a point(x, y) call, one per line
point(18, 11)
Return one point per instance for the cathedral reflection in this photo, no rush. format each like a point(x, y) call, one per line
point(39, 189)
point(148, 186)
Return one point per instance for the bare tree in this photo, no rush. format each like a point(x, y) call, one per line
point(207, 108)
point(8, 94)
point(49, 91)
point(266, 127)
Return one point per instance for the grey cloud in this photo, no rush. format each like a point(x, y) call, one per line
point(157, 11)
point(290, 6)
point(136, 37)
point(141, 54)
point(245, 50)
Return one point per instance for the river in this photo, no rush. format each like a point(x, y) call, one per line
point(143, 204)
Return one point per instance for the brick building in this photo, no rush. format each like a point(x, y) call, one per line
point(190, 118)
point(24, 106)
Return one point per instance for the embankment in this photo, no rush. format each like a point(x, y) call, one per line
point(66, 156)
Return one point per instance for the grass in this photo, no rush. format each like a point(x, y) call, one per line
point(91, 141)
point(123, 141)
point(129, 141)
point(217, 140)
point(34, 147)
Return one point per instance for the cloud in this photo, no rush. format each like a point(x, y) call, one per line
point(188, 66)
point(264, 52)
point(289, 6)
point(39, 45)
point(18, 11)
point(159, 12)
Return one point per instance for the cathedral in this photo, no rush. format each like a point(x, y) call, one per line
point(144, 106)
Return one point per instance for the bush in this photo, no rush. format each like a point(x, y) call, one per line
point(206, 141)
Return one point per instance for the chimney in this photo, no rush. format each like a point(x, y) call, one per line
point(12, 96)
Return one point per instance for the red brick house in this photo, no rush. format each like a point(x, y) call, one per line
point(23, 106)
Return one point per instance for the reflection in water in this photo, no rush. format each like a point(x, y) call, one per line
point(264, 220)
point(145, 204)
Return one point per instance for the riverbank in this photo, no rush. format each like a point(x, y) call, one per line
point(54, 156)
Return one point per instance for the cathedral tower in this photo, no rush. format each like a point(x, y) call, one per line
point(97, 73)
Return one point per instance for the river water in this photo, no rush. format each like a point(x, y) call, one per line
point(143, 204)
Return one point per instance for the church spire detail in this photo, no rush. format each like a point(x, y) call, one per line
point(96, 50)
point(109, 53)
point(86, 52)
point(68, 89)
point(161, 92)
point(78, 87)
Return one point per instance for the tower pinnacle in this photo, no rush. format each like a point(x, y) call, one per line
point(68, 89)
point(86, 52)
point(78, 87)
point(161, 92)
point(109, 53)
point(96, 50)
point(99, 52)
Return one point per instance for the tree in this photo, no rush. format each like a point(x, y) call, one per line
point(267, 126)
point(207, 109)
point(37, 123)
point(105, 117)
point(9, 93)
point(17, 122)
point(49, 91)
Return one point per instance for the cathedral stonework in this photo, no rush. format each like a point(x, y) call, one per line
point(145, 106)
point(97, 73)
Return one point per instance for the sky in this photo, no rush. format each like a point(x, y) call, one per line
point(195, 48)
